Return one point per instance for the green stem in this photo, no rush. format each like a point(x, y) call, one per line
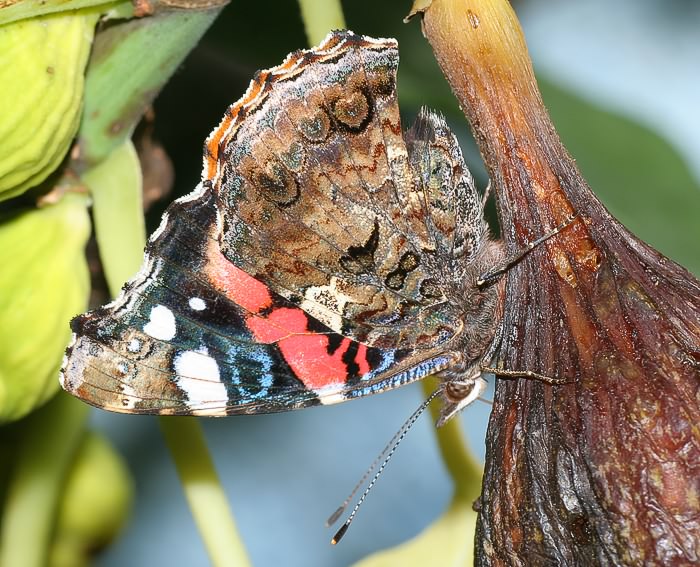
point(203, 491)
point(464, 468)
point(117, 91)
point(50, 437)
point(320, 17)
point(116, 187)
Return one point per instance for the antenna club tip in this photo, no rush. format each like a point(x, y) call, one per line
point(334, 516)
point(340, 533)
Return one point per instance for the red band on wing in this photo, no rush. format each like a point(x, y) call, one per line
point(277, 325)
point(308, 357)
point(234, 283)
point(361, 359)
point(305, 352)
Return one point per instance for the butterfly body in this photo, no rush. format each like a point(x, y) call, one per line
point(326, 255)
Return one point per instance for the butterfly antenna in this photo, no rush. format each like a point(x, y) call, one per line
point(384, 457)
point(339, 511)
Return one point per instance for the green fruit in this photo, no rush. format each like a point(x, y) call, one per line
point(44, 281)
point(96, 502)
point(13, 10)
point(42, 76)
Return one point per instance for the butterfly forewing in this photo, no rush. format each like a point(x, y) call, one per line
point(318, 200)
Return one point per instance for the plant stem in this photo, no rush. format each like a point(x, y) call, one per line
point(49, 440)
point(463, 466)
point(320, 17)
point(203, 491)
point(117, 92)
point(602, 469)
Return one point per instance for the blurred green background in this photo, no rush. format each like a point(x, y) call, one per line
point(621, 81)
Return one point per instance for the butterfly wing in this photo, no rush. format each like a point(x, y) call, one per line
point(320, 198)
point(194, 334)
point(313, 265)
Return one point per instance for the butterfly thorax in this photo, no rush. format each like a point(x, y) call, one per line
point(480, 305)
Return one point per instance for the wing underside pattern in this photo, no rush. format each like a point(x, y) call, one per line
point(193, 334)
point(321, 259)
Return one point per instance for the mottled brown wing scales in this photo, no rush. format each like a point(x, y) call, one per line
point(410, 209)
point(455, 215)
point(324, 256)
point(320, 200)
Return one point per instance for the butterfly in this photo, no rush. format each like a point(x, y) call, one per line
point(325, 255)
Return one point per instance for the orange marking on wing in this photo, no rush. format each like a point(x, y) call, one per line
point(289, 63)
point(213, 144)
point(234, 283)
point(294, 64)
point(255, 88)
point(308, 357)
point(277, 325)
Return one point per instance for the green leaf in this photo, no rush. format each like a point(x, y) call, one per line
point(13, 10)
point(635, 172)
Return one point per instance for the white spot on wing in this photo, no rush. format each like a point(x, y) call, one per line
point(134, 345)
point(198, 376)
point(326, 303)
point(161, 324)
point(331, 395)
point(196, 364)
point(197, 303)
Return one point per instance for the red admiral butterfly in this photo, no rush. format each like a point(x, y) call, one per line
point(324, 256)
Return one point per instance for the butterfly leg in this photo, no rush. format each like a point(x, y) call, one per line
point(504, 373)
point(515, 258)
point(458, 393)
